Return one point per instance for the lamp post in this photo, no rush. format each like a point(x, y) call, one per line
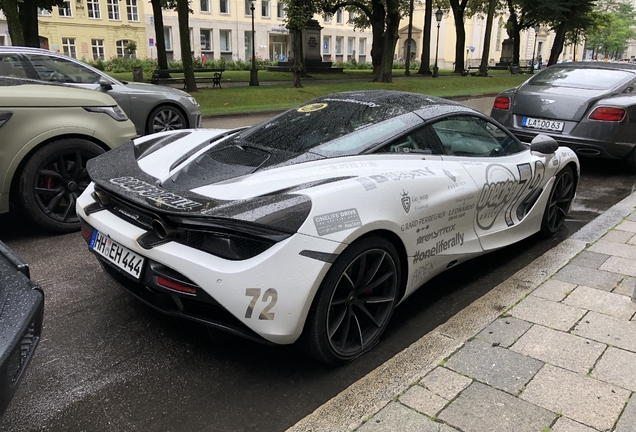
point(253, 71)
point(438, 16)
point(534, 48)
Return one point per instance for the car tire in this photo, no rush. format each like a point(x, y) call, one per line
point(561, 197)
point(52, 179)
point(354, 303)
point(164, 118)
point(631, 162)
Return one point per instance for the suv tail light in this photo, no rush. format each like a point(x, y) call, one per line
point(502, 103)
point(608, 114)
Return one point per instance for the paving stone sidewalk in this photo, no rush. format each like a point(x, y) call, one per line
point(563, 359)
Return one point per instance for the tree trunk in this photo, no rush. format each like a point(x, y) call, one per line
point(160, 41)
point(390, 40)
point(559, 39)
point(377, 45)
point(29, 19)
point(425, 64)
point(407, 70)
point(483, 67)
point(297, 68)
point(10, 9)
point(183, 11)
point(458, 17)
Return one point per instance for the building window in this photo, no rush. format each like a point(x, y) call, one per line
point(339, 16)
point(98, 49)
point(44, 12)
point(167, 36)
point(123, 52)
point(280, 10)
point(351, 17)
point(339, 44)
point(362, 46)
point(265, 8)
point(351, 43)
point(113, 10)
point(248, 7)
point(65, 9)
point(205, 5)
point(206, 40)
point(133, 10)
point(224, 6)
point(327, 19)
point(326, 44)
point(93, 9)
point(225, 39)
point(68, 47)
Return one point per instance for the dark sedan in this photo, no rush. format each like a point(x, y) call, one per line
point(21, 312)
point(587, 106)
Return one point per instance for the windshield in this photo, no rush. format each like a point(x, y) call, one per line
point(583, 78)
point(329, 120)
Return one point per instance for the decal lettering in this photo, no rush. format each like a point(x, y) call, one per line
point(502, 192)
point(423, 220)
point(337, 221)
point(459, 212)
point(352, 165)
point(369, 104)
point(420, 273)
point(270, 297)
point(456, 186)
point(160, 196)
point(440, 246)
point(435, 234)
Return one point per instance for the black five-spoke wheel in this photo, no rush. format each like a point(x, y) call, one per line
point(561, 196)
point(355, 302)
point(52, 180)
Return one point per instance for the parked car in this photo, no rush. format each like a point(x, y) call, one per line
point(21, 317)
point(47, 134)
point(151, 108)
point(314, 225)
point(587, 106)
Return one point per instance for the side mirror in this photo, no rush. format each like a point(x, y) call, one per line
point(104, 84)
point(543, 144)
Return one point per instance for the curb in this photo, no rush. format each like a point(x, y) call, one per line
point(364, 398)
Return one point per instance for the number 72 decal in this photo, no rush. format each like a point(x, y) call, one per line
point(270, 295)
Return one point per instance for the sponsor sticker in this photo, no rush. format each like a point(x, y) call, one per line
point(337, 221)
point(161, 197)
point(441, 246)
point(312, 107)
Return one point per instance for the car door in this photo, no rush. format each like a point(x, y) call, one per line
point(436, 228)
point(508, 176)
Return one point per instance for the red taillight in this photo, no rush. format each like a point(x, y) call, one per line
point(175, 285)
point(502, 103)
point(608, 114)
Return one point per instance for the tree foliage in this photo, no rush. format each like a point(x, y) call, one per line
point(22, 19)
point(610, 29)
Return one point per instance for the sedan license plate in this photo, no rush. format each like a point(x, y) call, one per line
point(117, 254)
point(536, 123)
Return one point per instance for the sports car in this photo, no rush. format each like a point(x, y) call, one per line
point(587, 106)
point(314, 225)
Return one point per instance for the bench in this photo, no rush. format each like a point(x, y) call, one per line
point(521, 70)
point(200, 75)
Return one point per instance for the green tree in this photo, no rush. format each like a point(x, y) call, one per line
point(22, 19)
point(299, 13)
point(183, 12)
point(610, 29)
point(160, 40)
point(425, 63)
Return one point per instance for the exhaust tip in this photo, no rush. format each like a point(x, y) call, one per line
point(162, 229)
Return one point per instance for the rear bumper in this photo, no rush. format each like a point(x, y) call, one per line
point(20, 322)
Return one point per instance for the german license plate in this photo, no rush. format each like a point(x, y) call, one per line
point(536, 123)
point(117, 254)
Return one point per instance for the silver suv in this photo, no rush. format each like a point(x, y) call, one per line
point(151, 108)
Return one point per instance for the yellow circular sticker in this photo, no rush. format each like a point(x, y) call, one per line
point(312, 107)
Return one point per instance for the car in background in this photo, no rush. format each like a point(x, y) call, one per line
point(314, 225)
point(151, 108)
point(21, 317)
point(47, 134)
point(587, 106)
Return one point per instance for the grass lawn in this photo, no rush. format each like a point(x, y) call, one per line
point(282, 96)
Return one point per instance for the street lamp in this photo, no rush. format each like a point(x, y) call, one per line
point(438, 16)
point(534, 48)
point(253, 71)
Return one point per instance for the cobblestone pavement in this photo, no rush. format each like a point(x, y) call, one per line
point(551, 349)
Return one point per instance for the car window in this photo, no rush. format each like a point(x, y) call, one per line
point(474, 136)
point(10, 66)
point(58, 69)
point(583, 78)
point(420, 141)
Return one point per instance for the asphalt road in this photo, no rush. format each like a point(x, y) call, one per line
point(106, 362)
